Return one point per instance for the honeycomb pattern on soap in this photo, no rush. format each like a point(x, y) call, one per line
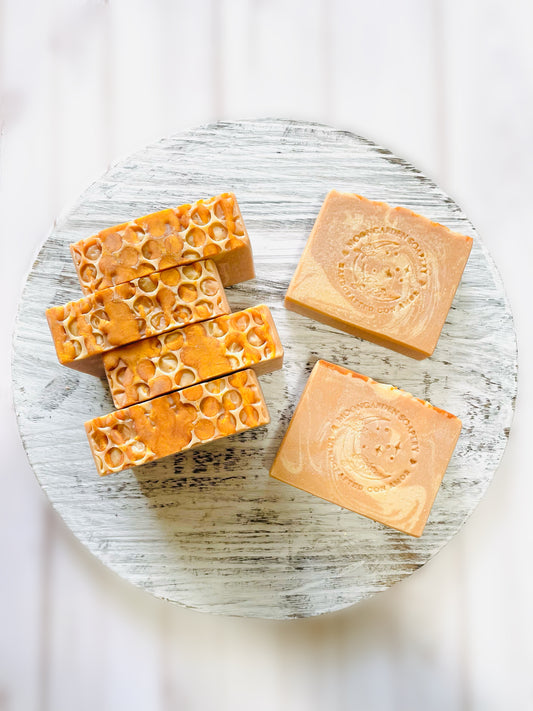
point(158, 241)
point(191, 354)
point(137, 309)
point(175, 422)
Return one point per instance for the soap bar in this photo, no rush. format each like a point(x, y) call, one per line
point(192, 354)
point(208, 228)
point(82, 330)
point(385, 274)
point(368, 447)
point(172, 423)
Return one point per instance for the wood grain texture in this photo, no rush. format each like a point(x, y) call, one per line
point(209, 529)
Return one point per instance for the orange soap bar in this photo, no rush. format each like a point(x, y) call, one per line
point(368, 447)
point(172, 423)
point(83, 330)
point(382, 273)
point(169, 238)
point(192, 354)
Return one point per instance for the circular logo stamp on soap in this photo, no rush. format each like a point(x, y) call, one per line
point(382, 269)
point(372, 446)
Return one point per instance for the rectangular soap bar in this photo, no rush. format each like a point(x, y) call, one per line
point(82, 330)
point(172, 423)
point(368, 447)
point(208, 228)
point(385, 274)
point(189, 355)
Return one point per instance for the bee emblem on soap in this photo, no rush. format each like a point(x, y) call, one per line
point(373, 447)
point(382, 270)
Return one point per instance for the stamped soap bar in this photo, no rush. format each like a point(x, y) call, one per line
point(169, 238)
point(172, 423)
point(82, 330)
point(382, 273)
point(192, 354)
point(368, 447)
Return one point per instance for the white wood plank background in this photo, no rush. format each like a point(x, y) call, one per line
point(448, 85)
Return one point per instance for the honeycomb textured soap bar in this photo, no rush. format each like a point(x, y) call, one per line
point(172, 423)
point(192, 354)
point(207, 228)
point(82, 330)
point(385, 274)
point(369, 447)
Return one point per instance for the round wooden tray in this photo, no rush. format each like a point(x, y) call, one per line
point(209, 529)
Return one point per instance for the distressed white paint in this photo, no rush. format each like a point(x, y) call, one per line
point(209, 529)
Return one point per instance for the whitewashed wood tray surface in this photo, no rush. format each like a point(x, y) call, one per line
point(209, 529)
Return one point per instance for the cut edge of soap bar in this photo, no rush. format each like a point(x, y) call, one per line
point(198, 352)
point(321, 365)
point(176, 422)
point(208, 228)
point(83, 330)
point(379, 339)
point(419, 347)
